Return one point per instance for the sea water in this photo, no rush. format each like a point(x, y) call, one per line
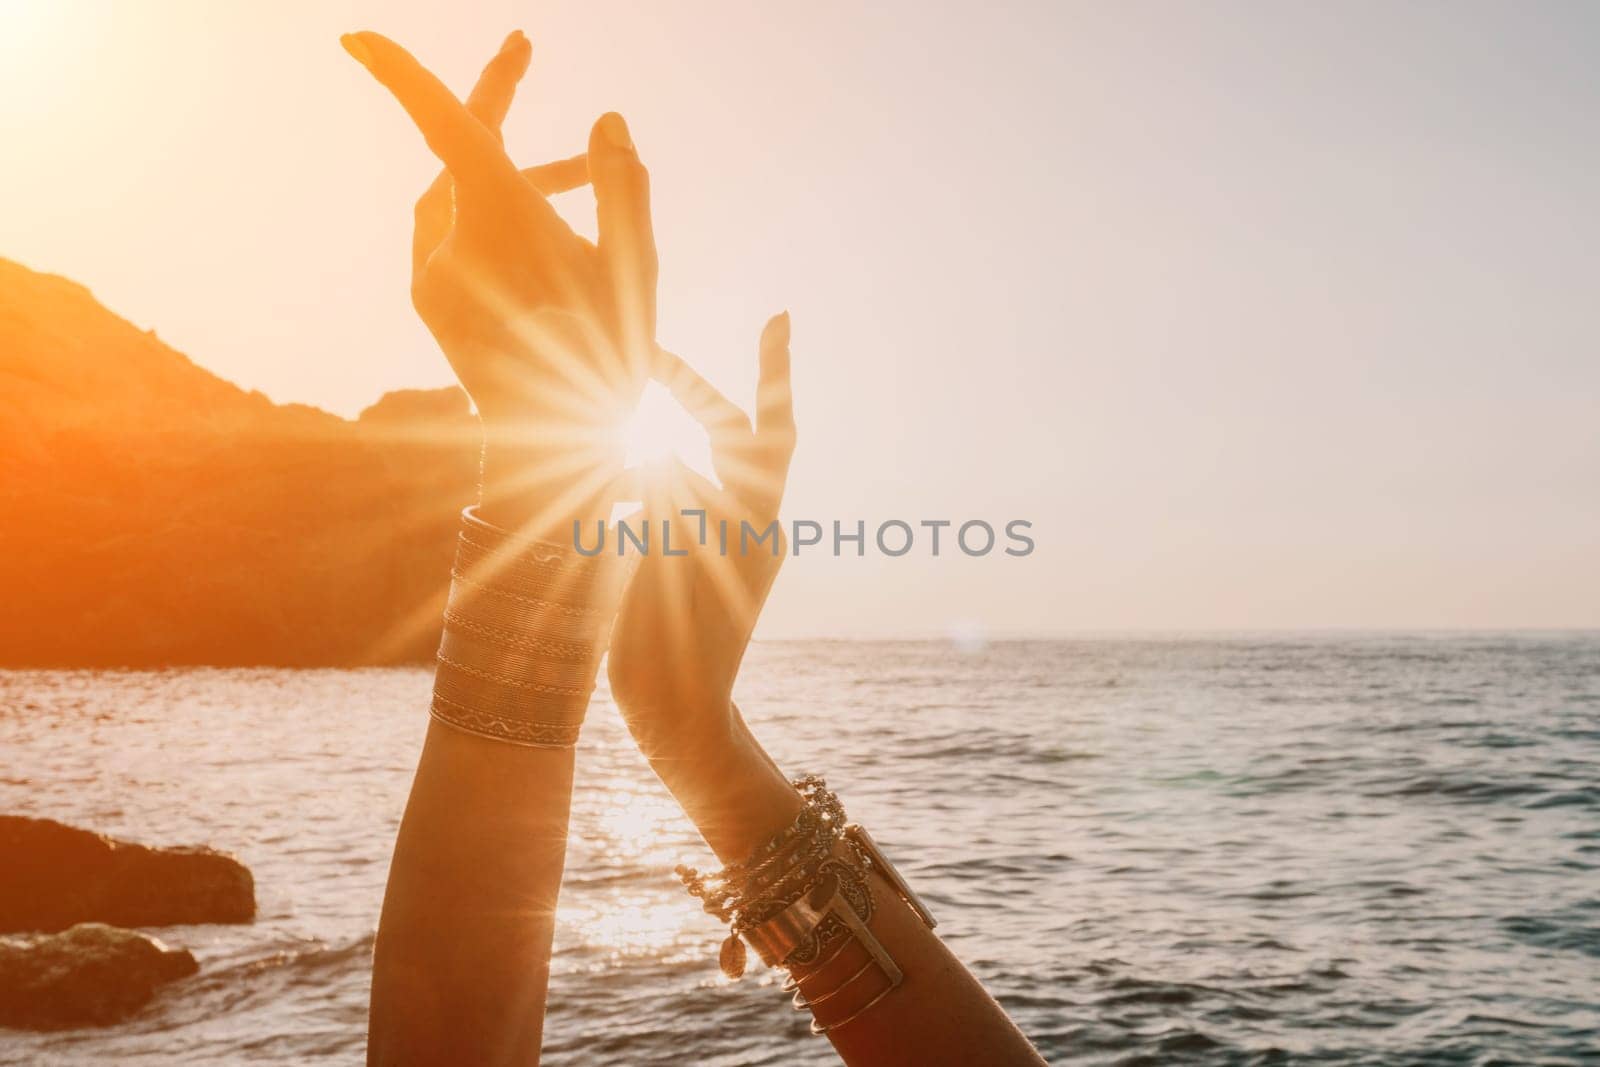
point(1323, 849)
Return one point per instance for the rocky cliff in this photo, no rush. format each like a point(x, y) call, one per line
point(152, 513)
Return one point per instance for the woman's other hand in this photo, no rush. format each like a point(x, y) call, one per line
point(686, 620)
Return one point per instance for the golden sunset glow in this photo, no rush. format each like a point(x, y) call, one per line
point(1136, 461)
point(937, 352)
point(28, 29)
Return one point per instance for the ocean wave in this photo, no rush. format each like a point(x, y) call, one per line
point(1364, 850)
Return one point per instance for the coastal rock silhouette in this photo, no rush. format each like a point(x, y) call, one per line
point(57, 876)
point(154, 514)
point(412, 407)
point(90, 974)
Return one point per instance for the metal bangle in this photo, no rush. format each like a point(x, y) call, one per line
point(533, 645)
point(488, 606)
point(554, 581)
point(857, 835)
point(506, 729)
point(526, 623)
point(792, 983)
point(471, 691)
point(823, 1028)
point(514, 666)
point(803, 1002)
point(527, 549)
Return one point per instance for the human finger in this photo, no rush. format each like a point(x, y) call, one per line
point(463, 144)
point(774, 397)
point(490, 99)
point(560, 176)
point(626, 237)
point(489, 102)
point(702, 400)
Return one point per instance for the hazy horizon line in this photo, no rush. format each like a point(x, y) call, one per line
point(1178, 632)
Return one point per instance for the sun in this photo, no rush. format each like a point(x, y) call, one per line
point(661, 431)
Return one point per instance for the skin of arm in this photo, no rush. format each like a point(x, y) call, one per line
point(544, 331)
point(463, 952)
point(676, 647)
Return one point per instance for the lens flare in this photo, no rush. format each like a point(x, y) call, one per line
point(660, 431)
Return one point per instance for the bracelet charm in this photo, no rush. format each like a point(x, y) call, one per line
point(732, 957)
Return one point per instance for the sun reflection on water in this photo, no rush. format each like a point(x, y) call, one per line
point(635, 823)
point(633, 829)
point(624, 925)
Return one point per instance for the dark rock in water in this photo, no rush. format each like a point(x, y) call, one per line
point(88, 975)
point(57, 875)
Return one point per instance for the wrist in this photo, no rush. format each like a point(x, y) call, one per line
point(731, 789)
point(540, 490)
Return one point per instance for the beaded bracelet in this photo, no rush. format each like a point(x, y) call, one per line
point(781, 852)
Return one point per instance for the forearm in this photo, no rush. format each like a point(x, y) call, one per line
point(940, 1014)
point(731, 789)
point(462, 957)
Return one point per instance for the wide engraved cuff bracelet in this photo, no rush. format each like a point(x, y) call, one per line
point(529, 575)
point(525, 627)
point(795, 928)
point(801, 900)
point(531, 559)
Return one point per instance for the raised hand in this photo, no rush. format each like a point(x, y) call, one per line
point(685, 621)
point(551, 335)
point(489, 103)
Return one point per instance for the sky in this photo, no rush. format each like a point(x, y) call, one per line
point(1266, 316)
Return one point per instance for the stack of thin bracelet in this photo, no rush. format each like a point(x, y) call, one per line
point(800, 899)
point(524, 630)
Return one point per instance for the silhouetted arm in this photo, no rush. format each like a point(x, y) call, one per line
point(461, 965)
point(463, 952)
point(941, 1014)
point(700, 610)
point(536, 323)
